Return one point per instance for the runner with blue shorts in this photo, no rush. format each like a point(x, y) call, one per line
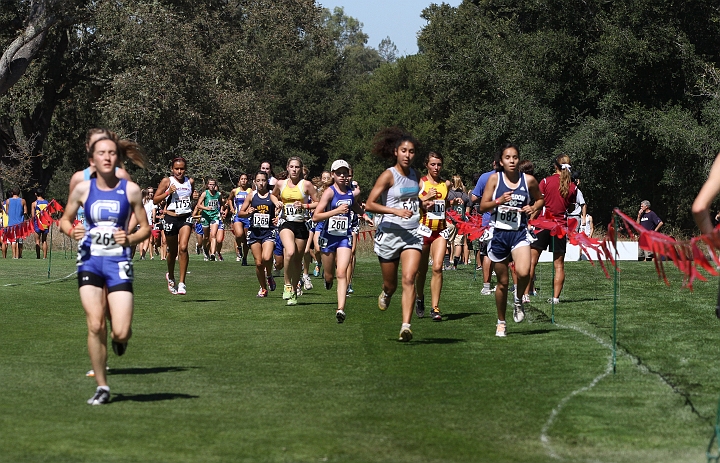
point(336, 238)
point(261, 208)
point(508, 195)
point(240, 225)
point(104, 253)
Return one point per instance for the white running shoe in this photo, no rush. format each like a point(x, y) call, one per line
point(102, 396)
point(526, 299)
point(340, 316)
point(182, 290)
point(518, 312)
point(554, 300)
point(171, 284)
point(487, 292)
point(500, 330)
point(308, 284)
point(405, 335)
point(383, 301)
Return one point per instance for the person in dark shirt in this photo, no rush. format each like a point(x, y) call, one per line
point(649, 221)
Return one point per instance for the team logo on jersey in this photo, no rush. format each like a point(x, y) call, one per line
point(121, 192)
point(105, 210)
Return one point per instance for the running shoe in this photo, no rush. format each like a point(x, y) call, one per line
point(271, 282)
point(91, 373)
point(478, 268)
point(384, 301)
point(526, 299)
point(340, 316)
point(308, 284)
point(244, 262)
point(516, 300)
point(486, 292)
point(299, 290)
point(212, 257)
point(292, 300)
point(262, 293)
point(420, 307)
point(316, 272)
point(238, 258)
point(102, 396)
point(182, 289)
point(171, 284)
point(405, 335)
point(554, 300)
point(500, 330)
point(518, 312)
point(119, 348)
point(206, 258)
point(350, 290)
point(436, 315)
point(220, 257)
point(287, 292)
point(328, 284)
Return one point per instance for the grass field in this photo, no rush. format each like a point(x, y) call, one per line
point(219, 375)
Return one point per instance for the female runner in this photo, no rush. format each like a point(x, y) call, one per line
point(209, 206)
point(508, 195)
point(294, 192)
point(395, 196)
point(149, 207)
point(326, 180)
point(159, 227)
point(104, 253)
point(434, 231)
point(240, 225)
point(261, 208)
point(355, 227)
point(177, 192)
point(335, 239)
point(41, 233)
point(559, 192)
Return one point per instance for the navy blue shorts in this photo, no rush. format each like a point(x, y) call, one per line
point(330, 243)
point(279, 248)
point(260, 235)
point(503, 242)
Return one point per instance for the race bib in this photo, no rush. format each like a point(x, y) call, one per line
point(437, 211)
point(424, 231)
point(125, 270)
point(103, 242)
point(338, 225)
point(507, 217)
point(213, 204)
point(261, 220)
point(412, 205)
point(445, 233)
point(182, 205)
point(292, 213)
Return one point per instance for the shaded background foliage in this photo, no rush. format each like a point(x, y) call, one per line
point(629, 89)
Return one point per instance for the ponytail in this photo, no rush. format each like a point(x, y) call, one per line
point(562, 166)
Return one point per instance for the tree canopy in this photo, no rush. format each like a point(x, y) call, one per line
point(629, 89)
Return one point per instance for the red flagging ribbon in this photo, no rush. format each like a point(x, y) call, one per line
point(689, 257)
point(24, 229)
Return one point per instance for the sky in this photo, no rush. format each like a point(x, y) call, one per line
point(398, 19)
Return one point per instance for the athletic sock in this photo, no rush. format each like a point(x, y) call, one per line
point(500, 322)
point(486, 285)
point(406, 325)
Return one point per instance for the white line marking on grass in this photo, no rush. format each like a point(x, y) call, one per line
point(43, 282)
point(556, 411)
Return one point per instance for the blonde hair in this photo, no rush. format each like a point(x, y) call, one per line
point(565, 177)
point(457, 183)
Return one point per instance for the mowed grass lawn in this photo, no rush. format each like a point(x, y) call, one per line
point(220, 375)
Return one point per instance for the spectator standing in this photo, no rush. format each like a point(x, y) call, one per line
point(650, 221)
point(16, 209)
